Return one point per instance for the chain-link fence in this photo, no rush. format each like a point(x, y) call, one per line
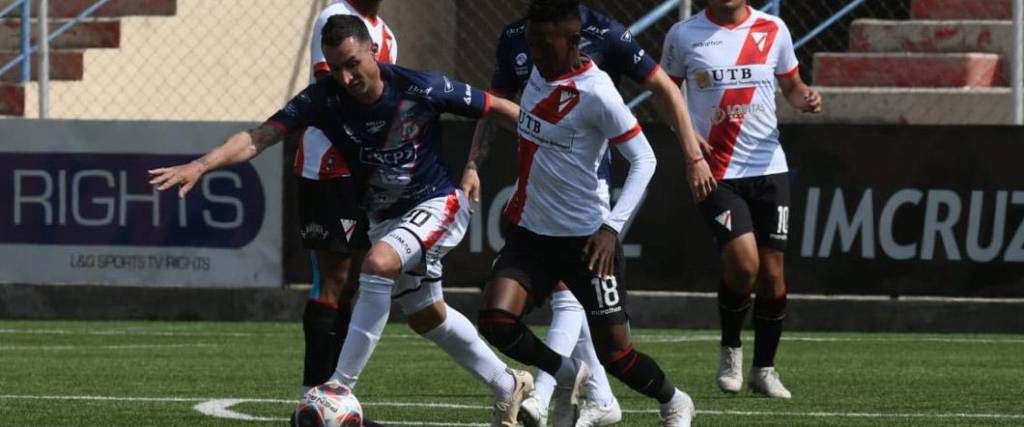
point(885, 61)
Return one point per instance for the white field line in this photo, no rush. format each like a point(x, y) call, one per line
point(223, 406)
point(100, 347)
point(636, 337)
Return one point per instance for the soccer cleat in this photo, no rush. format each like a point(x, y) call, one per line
point(678, 412)
point(593, 414)
point(506, 412)
point(730, 369)
point(532, 413)
point(566, 397)
point(765, 381)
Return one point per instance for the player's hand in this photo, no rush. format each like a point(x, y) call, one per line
point(813, 100)
point(184, 176)
point(698, 175)
point(471, 187)
point(705, 148)
point(600, 252)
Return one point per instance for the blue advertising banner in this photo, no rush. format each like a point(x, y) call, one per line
point(78, 207)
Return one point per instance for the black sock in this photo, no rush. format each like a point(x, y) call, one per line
point(322, 343)
point(344, 317)
point(768, 316)
point(732, 310)
point(640, 373)
point(510, 336)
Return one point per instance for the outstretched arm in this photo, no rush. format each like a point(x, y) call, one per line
point(672, 108)
point(239, 148)
point(502, 112)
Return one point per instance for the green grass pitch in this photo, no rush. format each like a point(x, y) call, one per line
point(158, 373)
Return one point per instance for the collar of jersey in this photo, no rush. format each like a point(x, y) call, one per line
point(709, 17)
point(586, 67)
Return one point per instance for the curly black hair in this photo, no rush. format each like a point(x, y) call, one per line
point(553, 11)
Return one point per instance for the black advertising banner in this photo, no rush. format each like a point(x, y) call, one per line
point(879, 210)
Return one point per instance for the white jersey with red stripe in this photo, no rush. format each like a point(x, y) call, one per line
point(730, 74)
point(565, 128)
point(315, 158)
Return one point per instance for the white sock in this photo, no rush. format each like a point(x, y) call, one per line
point(598, 388)
point(457, 337)
point(369, 316)
point(566, 320)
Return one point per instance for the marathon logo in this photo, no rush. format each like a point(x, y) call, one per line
point(400, 156)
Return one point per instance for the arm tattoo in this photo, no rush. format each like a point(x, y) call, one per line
point(265, 136)
point(481, 144)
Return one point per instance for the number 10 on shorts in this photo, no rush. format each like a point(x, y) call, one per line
point(607, 291)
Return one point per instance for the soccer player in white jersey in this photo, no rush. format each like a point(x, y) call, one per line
point(331, 225)
point(562, 227)
point(730, 56)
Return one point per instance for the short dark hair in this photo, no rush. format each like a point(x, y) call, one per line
point(340, 27)
point(541, 11)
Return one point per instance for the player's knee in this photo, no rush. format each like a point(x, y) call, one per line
point(381, 263)
point(500, 328)
point(741, 276)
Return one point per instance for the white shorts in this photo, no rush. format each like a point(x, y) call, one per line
point(421, 238)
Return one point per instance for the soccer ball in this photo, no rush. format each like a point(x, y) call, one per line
point(331, 404)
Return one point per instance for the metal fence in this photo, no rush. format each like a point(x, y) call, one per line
point(240, 59)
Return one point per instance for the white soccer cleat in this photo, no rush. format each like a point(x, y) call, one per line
point(532, 413)
point(566, 397)
point(593, 414)
point(730, 369)
point(765, 381)
point(506, 412)
point(678, 412)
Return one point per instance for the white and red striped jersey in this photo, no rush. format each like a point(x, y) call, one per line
point(565, 128)
point(315, 158)
point(730, 74)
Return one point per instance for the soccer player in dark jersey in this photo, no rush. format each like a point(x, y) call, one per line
point(614, 50)
point(416, 212)
point(563, 228)
point(731, 55)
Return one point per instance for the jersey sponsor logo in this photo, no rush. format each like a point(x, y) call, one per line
point(735, 112)
point(521, 59)
point(388, 157)
point(469, 95)
point(536, 130)
point(448, 88)
point(729, 78)
point(639, 56)
point(725, 218)
point(313, 231)
point(418, 91)
point(626, 36)
point(515, 31)
point(597, 31)
point(707, 43)
point(376, 127)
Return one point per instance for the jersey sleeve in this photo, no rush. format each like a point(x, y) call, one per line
point(317, 61)
point(504, 81)
point(625, 50)
point(453, 96)
point(616, 122)
point(673, 57)
point(301, 111)
point(788, 63)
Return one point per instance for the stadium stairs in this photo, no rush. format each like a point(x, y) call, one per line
point(948, 64)
point(101, 31)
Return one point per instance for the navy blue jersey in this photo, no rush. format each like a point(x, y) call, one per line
point(609, 44)
point(394, 145)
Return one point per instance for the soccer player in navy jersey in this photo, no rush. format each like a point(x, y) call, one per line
point(614, 50)
point(417, 214)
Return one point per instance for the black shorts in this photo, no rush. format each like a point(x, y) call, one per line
point(538, 263)
point(757, 204)
point(329, 216)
